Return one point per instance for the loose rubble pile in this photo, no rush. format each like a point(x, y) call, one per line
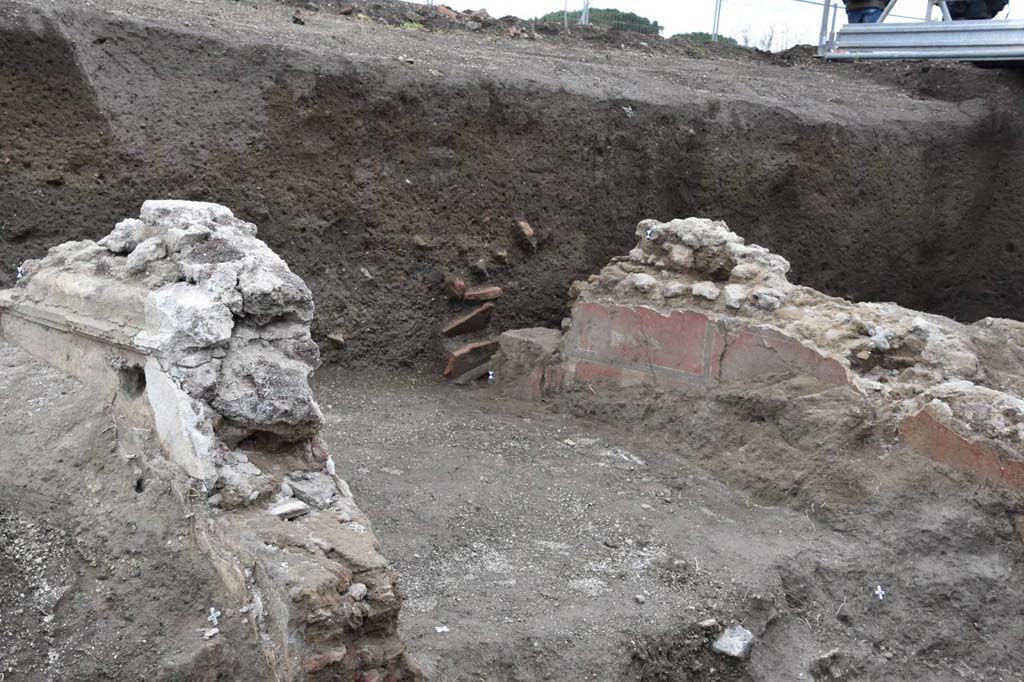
point(418, 17)
point(468, 362)
point(693, 306)
point(198, 333)
point(470, 358)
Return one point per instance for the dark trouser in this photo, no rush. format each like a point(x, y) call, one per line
point(863, 16)
point(974, 9)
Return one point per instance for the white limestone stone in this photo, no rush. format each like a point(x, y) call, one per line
point(183, 424)
point(706, 290)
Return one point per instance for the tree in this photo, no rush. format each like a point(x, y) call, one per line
point(612, 18)
point(745, 35)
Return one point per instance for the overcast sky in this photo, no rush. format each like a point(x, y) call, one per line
point(796, 20)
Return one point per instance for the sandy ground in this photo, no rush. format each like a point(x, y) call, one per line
point(99, 576)
point(533, 536)
point(530, 534)
point(533, 544)
point(596, 69)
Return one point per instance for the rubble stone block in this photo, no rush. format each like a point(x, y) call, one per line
point(932, 438)
point(125, 236)
point(639, 337)
point(289, 509)
point(476, 320)
point(262, 391)
point(684, 349)
point(315, 488)
point(520, 369)
point(185, 316)
point(168, 213)
point(181, 424)
point(469, 357)
point(735, 295)
point(483, 294)
point(270, 291)
point(757, 352)
point(150, 250)
point(587, 372)
point(707, 290)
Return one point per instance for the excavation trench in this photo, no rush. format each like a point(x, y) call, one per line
point(587, 541)
point(375, 177)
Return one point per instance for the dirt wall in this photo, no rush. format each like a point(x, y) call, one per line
point(375, 171)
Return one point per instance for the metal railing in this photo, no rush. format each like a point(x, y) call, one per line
point(930, 38)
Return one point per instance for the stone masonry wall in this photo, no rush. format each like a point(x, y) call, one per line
point(693, 306)
point(199, 335)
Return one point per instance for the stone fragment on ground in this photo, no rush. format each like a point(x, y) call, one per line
point(525, 356)
point(289, 509)
point(734, 641)
point(454, 288)
point(315, 488)
point(527, 234)
point(470, 357)
point(474, 321)
point(337, 338)
point(482, 294)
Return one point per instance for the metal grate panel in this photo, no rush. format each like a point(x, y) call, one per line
point(994, 40)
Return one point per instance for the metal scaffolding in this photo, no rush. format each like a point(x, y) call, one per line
point(941, 38)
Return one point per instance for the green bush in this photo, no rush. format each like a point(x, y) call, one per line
point(702, 37)
point(612, 18)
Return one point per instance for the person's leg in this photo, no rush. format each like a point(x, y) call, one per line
point(969, 9)
point(978, 9)
point(863, 16)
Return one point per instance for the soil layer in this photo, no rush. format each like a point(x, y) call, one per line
point(378, 159)
point(100, 575)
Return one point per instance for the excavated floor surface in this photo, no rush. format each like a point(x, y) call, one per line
point(529, 533)
point(523, 536)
